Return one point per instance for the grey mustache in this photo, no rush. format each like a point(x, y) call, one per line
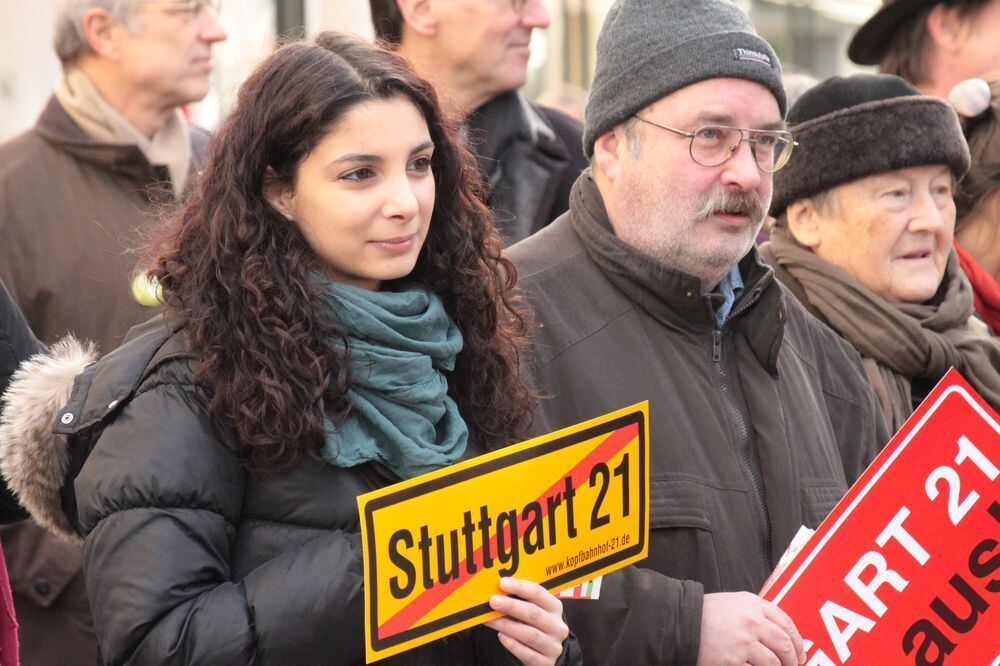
point(741, 203)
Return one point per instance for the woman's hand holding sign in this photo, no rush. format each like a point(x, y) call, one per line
point(532, 627)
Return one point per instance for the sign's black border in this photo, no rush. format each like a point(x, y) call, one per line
point(472, 472)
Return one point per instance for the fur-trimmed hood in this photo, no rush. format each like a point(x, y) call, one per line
point(34, 459)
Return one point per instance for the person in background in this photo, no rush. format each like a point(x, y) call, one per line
point(321, 265)
point(650, 288)
point(475, 52)
point(977, 227)
point(76, 191)
point(797, 83)
point(933, 44)
point(865, 221)
point(565, 97)
point(17, 343)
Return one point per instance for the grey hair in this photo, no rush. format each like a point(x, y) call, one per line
point(632, 136)
point(68, 40)
point(634, 141)
point(827, 202)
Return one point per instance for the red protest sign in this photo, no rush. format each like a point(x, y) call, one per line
point(906, 568)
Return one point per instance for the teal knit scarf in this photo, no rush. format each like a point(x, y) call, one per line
point(401, 414)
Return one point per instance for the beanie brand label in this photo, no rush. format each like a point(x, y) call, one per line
point(755, 56)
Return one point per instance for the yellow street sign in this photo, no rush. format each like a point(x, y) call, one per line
point(559, 510)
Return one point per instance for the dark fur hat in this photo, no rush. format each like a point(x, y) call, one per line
point(851, 127)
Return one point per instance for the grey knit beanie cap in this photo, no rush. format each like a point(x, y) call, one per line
point(649, 48)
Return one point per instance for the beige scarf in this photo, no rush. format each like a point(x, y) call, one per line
point(170, 146)
point(899, 343)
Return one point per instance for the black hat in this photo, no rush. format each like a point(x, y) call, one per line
point(852, 127)
point(872, 39)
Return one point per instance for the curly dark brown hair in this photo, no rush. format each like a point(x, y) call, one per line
point(242, 279)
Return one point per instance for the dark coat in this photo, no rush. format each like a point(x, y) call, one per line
point(190, 559)
point(71, 214)
point(756, 428)
point(17, 343)
point(529, 156)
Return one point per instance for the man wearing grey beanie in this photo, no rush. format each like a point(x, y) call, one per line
point(650, 288)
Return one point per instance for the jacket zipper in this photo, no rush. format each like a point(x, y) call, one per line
point(745, 445)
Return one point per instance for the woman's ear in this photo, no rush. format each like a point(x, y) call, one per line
point(946, 28)
point(280, 196)
point(803, 223)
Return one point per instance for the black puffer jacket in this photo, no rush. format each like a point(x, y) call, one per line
point(189, 559)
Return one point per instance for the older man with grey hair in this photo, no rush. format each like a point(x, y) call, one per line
point(475, 53)
point(75, 192)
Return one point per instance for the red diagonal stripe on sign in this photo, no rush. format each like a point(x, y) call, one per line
point(410, 614)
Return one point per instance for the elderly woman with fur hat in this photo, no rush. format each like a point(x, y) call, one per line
point(865, 219)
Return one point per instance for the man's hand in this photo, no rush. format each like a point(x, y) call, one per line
point(532, 628)
point(741, 628)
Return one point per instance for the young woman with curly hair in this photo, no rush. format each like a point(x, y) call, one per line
point(338, 317)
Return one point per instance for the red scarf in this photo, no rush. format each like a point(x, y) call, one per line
point(986, 290)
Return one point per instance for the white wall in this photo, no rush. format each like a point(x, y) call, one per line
point(28, 66)
point(250, 25)
point(345, 15)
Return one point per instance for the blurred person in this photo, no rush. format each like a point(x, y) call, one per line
point(565, 97)
point(650, 288)
point(933, 44)
point(797, 83)
point(475, 52)
point(865, 221)
point(321, 263)
point(109, 147)
point(17, 343)
point(977, 226)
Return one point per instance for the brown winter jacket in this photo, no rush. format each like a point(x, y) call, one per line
point(71, 211)
point(755, 429)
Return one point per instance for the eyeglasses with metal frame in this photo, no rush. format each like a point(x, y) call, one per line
point(186, 6)
point(712, 145)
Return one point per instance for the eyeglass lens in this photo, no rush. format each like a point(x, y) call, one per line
point(190, 6)
point(214, 5)
point(712, 145)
